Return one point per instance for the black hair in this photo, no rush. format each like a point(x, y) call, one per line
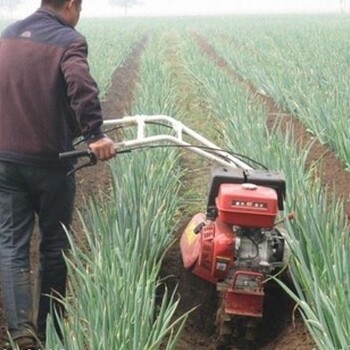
point(55, 3)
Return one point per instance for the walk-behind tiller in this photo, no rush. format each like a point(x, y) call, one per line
point(236, 244)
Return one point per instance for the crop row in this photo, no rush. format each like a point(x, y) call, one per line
point(302, 62)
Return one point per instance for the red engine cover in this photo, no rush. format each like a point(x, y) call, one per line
point(210, 253)
point(247, 205)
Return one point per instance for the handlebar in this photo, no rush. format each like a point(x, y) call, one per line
point(83, 153)
point(79, 154)
point(74, 154)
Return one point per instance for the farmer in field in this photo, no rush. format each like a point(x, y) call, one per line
point(47, 98)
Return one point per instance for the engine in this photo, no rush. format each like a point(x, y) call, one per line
point(251, 210)
point(259, 249)
point(235, 245)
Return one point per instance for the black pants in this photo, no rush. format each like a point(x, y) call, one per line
point(24, 192)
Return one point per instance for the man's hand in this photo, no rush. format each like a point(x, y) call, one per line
point(104, 148)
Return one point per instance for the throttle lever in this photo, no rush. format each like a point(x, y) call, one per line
point(84, 153)
point(78, 154)
point(92, 161)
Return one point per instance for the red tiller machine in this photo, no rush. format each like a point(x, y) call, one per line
point(235, 244)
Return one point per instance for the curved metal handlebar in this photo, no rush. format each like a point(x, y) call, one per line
point(204, 147)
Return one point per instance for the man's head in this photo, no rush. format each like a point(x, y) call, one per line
point(69, 10)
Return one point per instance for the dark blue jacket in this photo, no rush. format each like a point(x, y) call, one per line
point(47, 95)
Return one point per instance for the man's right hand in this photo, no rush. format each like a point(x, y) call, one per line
point(104, 148)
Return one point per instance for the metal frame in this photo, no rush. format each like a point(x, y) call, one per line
point(141, 121)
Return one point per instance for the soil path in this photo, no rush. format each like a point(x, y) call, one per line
point(119, 99)
point(199, 331)
point(117, 103)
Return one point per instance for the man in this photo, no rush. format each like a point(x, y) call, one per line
point(47, 98)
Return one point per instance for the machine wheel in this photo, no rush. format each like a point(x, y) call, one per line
point(223, 325)
point(237, 332)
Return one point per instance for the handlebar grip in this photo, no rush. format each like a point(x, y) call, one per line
point(74, 154)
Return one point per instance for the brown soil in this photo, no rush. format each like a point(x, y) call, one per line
point(119, 99)
point(277, 330)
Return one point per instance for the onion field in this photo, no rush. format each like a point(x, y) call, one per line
point(275, 89)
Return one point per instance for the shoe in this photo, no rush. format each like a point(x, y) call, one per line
point(26, 343)
point(22, 343)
